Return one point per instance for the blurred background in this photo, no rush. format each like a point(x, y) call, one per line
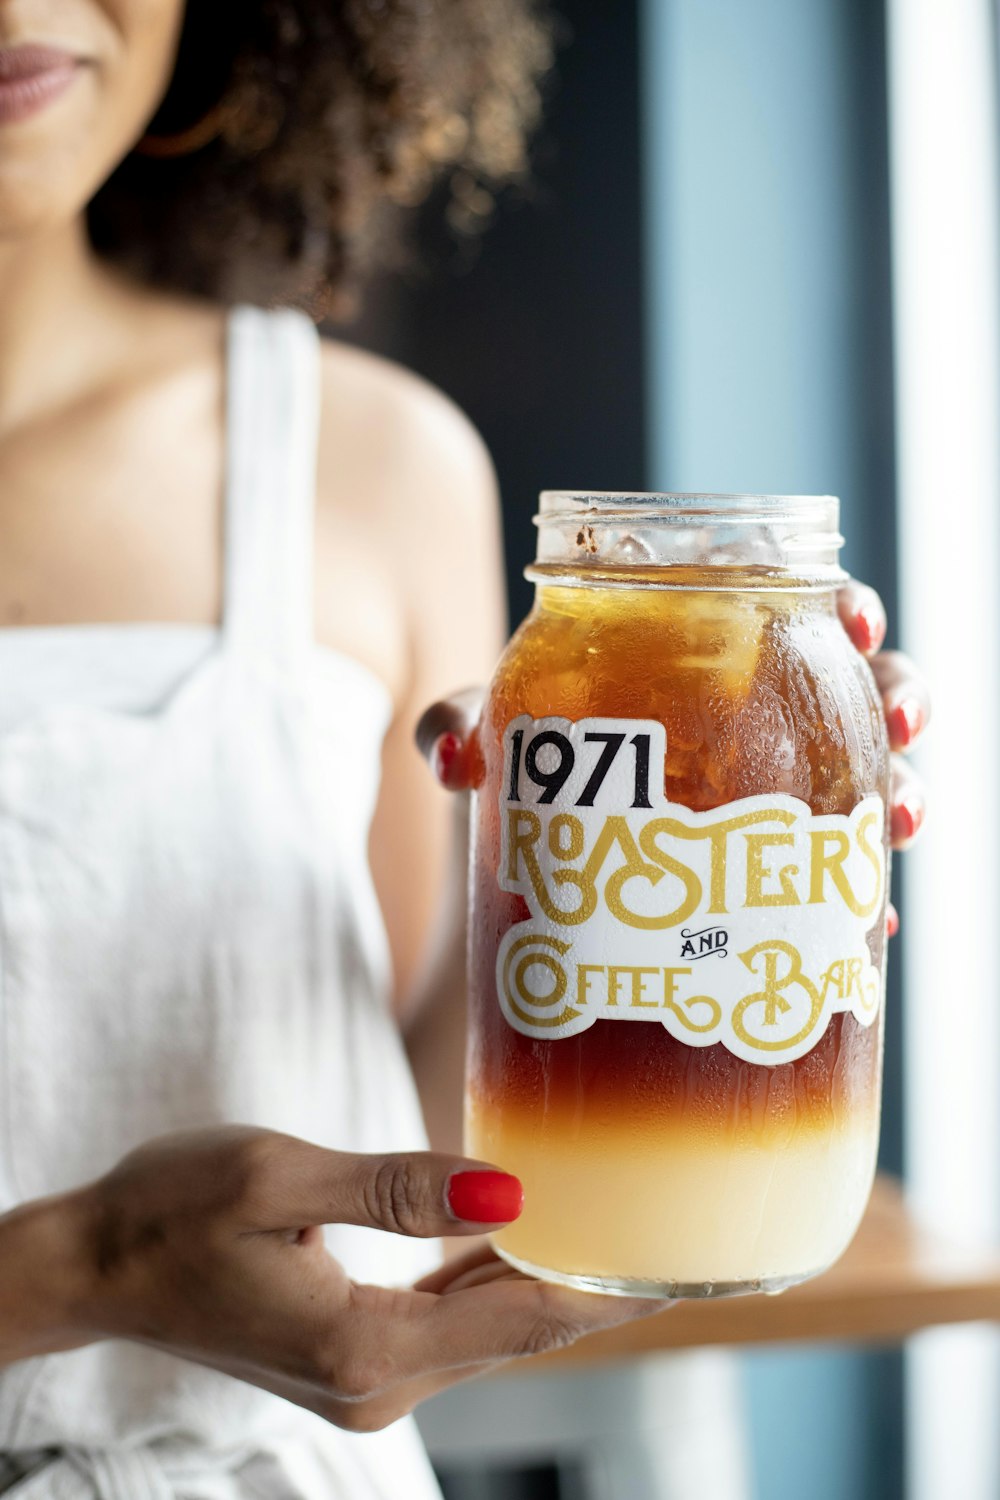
point(759, 253)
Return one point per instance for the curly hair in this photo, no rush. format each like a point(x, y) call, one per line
point(327, 113)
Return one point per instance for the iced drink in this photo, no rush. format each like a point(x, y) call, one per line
point(678, 888)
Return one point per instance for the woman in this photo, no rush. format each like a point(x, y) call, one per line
point(223, 602)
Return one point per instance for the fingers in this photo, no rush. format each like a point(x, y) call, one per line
point(518, 1317)
point(390, 1350)
point(862, 616)
point(482, 1275)
point(420, 1193)
point(905, 702)
point(456, 715)
point(905, 698)
point(476, 1267)
point(444, 738)
point(486, 1324)
point(439, 1280)
point(907, 803)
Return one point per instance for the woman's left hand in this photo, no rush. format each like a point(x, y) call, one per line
point(443, 733)
point(905, 702)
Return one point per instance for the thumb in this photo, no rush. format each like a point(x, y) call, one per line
point(417, 1193)
point(446, 737)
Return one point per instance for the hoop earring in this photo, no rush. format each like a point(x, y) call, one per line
point(185, 142)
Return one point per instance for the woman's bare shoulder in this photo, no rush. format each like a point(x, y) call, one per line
point(384, 424)
point(407, 513)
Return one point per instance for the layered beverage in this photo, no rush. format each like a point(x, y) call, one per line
point(678, 890)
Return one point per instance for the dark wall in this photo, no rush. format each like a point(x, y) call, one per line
point(538, 335)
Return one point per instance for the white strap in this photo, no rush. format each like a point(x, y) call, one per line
point(272, 429)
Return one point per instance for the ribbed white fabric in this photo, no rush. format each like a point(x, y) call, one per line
point(189, 934)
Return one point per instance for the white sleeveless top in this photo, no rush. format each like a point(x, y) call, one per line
point(189, 934)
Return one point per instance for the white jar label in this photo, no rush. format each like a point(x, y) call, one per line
point(746, 925)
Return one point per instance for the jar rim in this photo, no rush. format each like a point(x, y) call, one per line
point(726, 505)
point(588, 532)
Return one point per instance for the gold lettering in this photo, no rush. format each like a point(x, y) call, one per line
point(687, 877)
point(875, 856)
point(834, 979)
point(519, 993)
point(831, 863)
point(718, 836)
point(670, 977)
point(643, 858)
point(519, 842)
point(771, 996)
point(572, 847)
point(617, 831)
point(636, 976)
point(758, 872)
point(523, 844)
point(583, 973)
point(824, 863)
point(847, 977)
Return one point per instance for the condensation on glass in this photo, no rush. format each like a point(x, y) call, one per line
point(678, 887)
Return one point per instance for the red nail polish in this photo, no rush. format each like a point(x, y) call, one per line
point(867, 629)
point(485, 1197)
point(906, 820)
point(891, 922)
point(905, 722)
point(446, 749)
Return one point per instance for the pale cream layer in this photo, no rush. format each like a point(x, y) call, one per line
point(674, 1210)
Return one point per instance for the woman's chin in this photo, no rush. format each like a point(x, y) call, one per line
point(51, 162)
point(32, 205)
point(46, 181)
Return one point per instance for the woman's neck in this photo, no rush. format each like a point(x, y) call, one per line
point(57, 306)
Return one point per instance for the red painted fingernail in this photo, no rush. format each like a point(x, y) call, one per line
point(868, 629)
point(906, 820)
point(891, 921)
point(446, 748)
point(905, 722)
point(485, 1197)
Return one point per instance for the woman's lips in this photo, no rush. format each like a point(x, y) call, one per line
point(32, 77)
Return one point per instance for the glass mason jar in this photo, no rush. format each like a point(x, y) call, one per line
point(678, 884)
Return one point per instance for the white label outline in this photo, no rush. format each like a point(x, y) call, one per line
point(777, 1016)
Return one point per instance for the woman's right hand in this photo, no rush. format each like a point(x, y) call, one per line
point(207, 1244)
